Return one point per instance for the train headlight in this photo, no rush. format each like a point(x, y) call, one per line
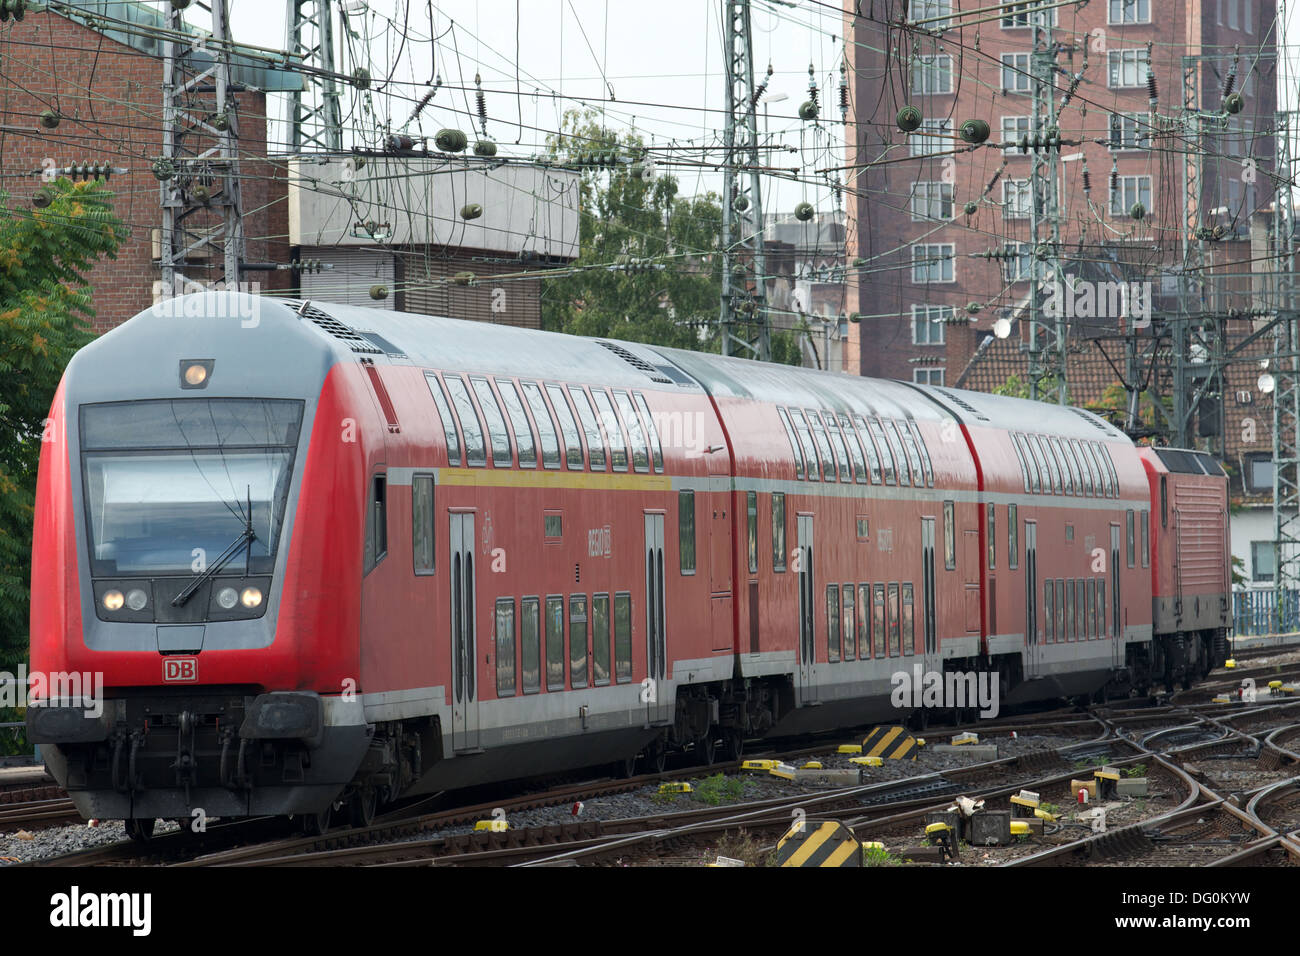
point(227, 598)
point(195, 373)
point(136, 599)
point(251, 597)
point(113, 600)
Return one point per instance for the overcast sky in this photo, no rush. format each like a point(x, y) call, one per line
point(665, 52)
point(660, 61)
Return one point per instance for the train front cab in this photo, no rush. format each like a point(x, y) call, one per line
point(166, 562)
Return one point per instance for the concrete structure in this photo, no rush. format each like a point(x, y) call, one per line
point(397, 222)
point(806, 287)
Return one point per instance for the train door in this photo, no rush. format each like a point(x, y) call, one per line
point(807, 610)
point(1117, 617)
point(463, 647)
point(927, 588)
point(721, 553)
point(1033, 650)
point(658, 702)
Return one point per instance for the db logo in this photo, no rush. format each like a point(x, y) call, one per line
point(180, 669)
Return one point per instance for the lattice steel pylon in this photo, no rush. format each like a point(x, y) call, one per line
point(1286, 378)
point(1048, 340)
point(743, 320)
point(315, 116)
point(199, 168)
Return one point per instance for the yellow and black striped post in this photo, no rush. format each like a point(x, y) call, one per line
point(892, 743)
point(808, 843)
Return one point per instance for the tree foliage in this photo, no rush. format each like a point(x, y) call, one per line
point(648, 269)
point(45, 313)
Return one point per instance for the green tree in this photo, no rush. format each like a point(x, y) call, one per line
point(648, 268)
point(45, 313)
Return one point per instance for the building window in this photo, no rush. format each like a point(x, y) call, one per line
point(1019, 266)
point(931, 74)
point(1261, 560)
point(1017, 198)
point(686, 530)
point(928, 323)
point(932, 262)
point(924, 145)
point(927, 376)
point(1016, 75)
point(1127, 68)
point(1016, 15)
point(928, 11)
point(1126, 131)
point(1131, 189)
point(931, 201)
point(1013, 129)
point(1130, 11)
point(1259, 473)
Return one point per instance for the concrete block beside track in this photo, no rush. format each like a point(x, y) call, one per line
point(828, 778)
point(976, 752)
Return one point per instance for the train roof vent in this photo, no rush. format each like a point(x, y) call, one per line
point(1093, 420)
point(389, 348)
point(327, 323)
point(641, 365)
point(961, 404)
point(1184, 462)
point(1211, 466)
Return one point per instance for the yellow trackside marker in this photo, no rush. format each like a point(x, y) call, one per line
point(813, 765)
point(491, 826)
point(1274, 684)
point(1020, 828)
point(893, 743)
point(1229, 663)
point(808, 844)
point(1220, 700)
point(783, 770)
point(867, 761)
point(759, 765)
point(676, 787)
point(849, 749)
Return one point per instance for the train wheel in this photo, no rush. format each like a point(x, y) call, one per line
point(363, 805)
point(139, 830)
point(734, 745)
point(656, 756)
point(706, 749)
point(316, 824)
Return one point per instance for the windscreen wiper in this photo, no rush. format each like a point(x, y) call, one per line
point(245, 540)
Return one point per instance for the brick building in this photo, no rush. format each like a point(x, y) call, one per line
point(106, 84)
point(908, 213)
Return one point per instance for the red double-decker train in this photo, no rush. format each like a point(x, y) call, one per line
point(326, 556)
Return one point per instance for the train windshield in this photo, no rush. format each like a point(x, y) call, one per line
point(170, 484)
